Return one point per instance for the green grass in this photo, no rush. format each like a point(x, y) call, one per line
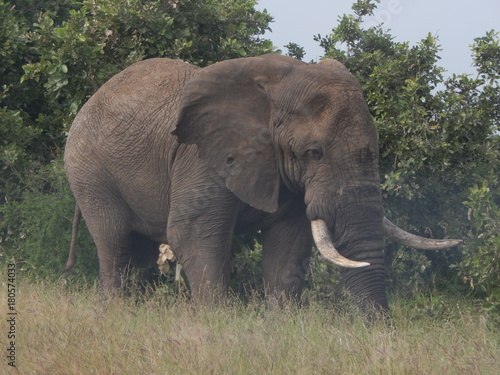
point(68, 332)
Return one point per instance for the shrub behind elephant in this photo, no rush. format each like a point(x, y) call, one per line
point(169, 153)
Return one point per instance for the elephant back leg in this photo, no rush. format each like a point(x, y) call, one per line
point(108, 221)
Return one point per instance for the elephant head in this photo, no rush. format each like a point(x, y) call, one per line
point(271, 123)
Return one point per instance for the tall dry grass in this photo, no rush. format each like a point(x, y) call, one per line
point(63, 332)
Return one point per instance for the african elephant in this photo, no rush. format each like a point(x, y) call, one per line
point(166, 152)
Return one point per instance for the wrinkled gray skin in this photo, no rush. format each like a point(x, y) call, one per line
point(169, 153)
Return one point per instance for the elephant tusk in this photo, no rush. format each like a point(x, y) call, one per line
point(397, 234)
point(326, 248)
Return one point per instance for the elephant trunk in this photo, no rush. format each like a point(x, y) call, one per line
point(356, 230)
point(366, 285)
point(364, 279)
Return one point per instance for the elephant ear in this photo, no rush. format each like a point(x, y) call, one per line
point(225, 110)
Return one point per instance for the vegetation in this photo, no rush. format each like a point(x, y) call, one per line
point(439, 135)
point(68, 332)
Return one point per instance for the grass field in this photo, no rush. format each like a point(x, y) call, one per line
point(63, 332)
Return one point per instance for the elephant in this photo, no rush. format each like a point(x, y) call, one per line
point(166, 152)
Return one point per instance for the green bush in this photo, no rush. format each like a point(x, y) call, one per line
point(480, 265)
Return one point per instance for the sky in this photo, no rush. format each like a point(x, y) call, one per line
point(456, 23)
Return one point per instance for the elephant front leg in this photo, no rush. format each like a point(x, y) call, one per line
point(200, 232)
point(204, 256)
point(287, 248)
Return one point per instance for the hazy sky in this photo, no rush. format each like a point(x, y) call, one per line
point(456, 23)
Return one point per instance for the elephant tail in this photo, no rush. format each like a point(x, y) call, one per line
point(74, 236)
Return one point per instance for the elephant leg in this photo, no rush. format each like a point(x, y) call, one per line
point(108, 226)
point(114, 254)
point(287, 248)
point(200, 230)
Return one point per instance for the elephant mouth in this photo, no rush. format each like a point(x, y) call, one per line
point(327, 249)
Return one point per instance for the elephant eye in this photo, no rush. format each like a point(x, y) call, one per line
point(314, 154)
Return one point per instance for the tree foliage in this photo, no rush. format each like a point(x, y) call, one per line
point(295, 51)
